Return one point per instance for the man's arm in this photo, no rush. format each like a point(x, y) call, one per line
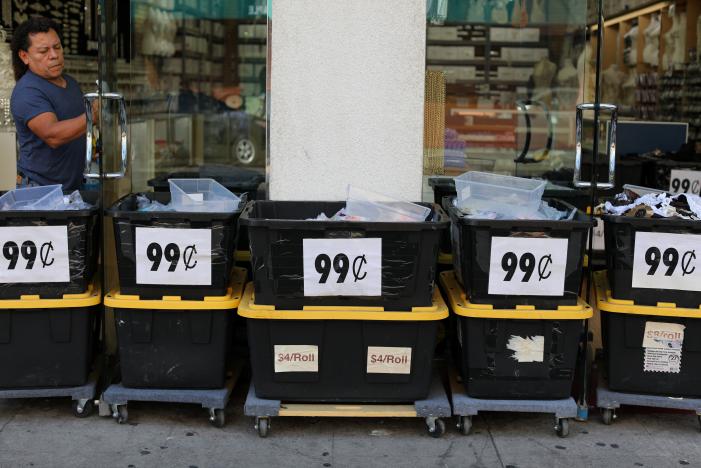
point(54, 132)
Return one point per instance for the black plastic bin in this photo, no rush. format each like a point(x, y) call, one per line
point(308, 356)
point(472, 244)
point(672, 336)
point(47, 343)
point(625, 356)
point(660, 169)
point(83, 248)
point(277, 230)
point(175, 344)
point(126, 219)
point(237, 180)
point(620, 234)
point(488, 341)
point(444, 188)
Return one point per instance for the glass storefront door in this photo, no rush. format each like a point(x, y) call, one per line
point(182, 86)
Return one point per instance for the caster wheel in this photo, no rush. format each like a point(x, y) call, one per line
point(607, 416)
point(435, 428)
point(263, 426)
point(465, 425)
point(562, 429)
point(83, 410)
point(217, 418)
point(122, 414)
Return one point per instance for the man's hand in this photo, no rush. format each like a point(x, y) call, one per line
point(56, 132)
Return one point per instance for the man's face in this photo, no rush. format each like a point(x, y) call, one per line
point(45, 55)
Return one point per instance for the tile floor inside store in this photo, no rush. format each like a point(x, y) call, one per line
point(44, 433)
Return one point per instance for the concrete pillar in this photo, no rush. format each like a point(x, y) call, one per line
point(347, 97)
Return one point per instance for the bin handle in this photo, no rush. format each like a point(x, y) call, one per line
point(124, 135)
point(523, 105)
point(611, 147)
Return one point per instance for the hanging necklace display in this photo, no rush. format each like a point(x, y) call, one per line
point(7, 81)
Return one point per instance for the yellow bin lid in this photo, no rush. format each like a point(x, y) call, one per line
point(230, 301)
point(91, 297)
point(462, 306)
point(249, 309)
point(606, 303)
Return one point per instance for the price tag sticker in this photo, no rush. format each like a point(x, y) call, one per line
point(527, 267)
point(667, 261)
point(342, 267)
point(174, 256)
point(34, 254)
point(684, 181)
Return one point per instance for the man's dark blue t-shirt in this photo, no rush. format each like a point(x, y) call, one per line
point(33, 95)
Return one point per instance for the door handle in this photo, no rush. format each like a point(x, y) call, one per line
point(611, 147)
point(524, 106)
point(89, 98)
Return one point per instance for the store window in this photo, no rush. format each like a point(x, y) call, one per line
point(193, 75)
point(503, 78)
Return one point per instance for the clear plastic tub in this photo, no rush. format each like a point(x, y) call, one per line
point(506, 195)
point(371, 206)
point(47, 197)
point(201, 195)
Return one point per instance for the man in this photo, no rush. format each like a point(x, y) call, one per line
point(48, 109)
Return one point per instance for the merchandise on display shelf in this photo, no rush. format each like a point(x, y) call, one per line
point(49, 248)
point(167, 253)
point(173, 343)
point(341, 354)
point(299, 261)
point(516, 353)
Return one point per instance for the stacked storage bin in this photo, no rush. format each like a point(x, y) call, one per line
point(340, 311)
point(650, 304)
point(178, 293)
point(518, 317)
point(48, 296)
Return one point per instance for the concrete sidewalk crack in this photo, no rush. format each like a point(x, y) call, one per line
point(8, 422)
point(491, 437)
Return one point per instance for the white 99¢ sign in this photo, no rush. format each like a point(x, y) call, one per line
point(34, 254)
point(527, 267)
point(173, 256)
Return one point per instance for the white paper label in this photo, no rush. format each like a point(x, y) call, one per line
point(662, 360)
point(663, 347)
point(683, 181)
point(34, 254)
point(389, 360)
point(667, 261)
point(296, 358)
point(174, 256)
point(663, 335)
point(527, 267)
point(527, 349)
point(342, 267)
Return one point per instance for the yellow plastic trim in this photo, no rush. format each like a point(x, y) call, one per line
point(242, 255)
point(463, 307)
point(346, 411)
point(607, 303)
point(445, 258)
point(230, 301)
point(93, 296)
point(249, 309)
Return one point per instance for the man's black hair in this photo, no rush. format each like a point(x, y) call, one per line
point(21, 40)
